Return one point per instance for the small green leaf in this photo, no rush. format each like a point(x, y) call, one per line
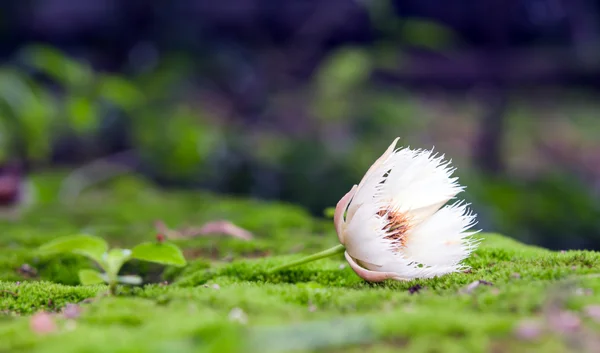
point(133, 280)
point(162, 253)
point(89, 277)
point(87, 245)
point(115, 258)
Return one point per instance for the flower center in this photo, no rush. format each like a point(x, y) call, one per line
point(396, 226)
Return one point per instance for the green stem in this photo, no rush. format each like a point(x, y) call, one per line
point(338, 249)
point(112, 283)
point(112, 287)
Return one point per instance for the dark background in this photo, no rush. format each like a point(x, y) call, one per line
point(293, 100)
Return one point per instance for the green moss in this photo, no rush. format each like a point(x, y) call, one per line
point(321, 306)
point(30, 297)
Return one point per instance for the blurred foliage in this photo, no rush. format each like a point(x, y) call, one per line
point(48, 97)
point(338, 83)
point(553, 211)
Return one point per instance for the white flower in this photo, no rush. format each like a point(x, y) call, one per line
point(396, 225)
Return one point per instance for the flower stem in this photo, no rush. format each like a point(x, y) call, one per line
point(338, 249)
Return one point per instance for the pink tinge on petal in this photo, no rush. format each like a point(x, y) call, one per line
point(368, 275)
point(338, 216)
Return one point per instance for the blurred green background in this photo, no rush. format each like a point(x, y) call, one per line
point(295, 100)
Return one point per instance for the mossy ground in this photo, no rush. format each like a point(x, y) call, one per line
point(225, 301)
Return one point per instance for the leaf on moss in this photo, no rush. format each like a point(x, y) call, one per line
point(87, 245)
point(89, 277)
point(163, 253)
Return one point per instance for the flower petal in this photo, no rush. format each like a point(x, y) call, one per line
point(419, 215)
point(441, 241)
point(371, 178)
point(340, 208)
point(417, 179)
point(378, 162)
point(371, 276)
point(364, 236)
